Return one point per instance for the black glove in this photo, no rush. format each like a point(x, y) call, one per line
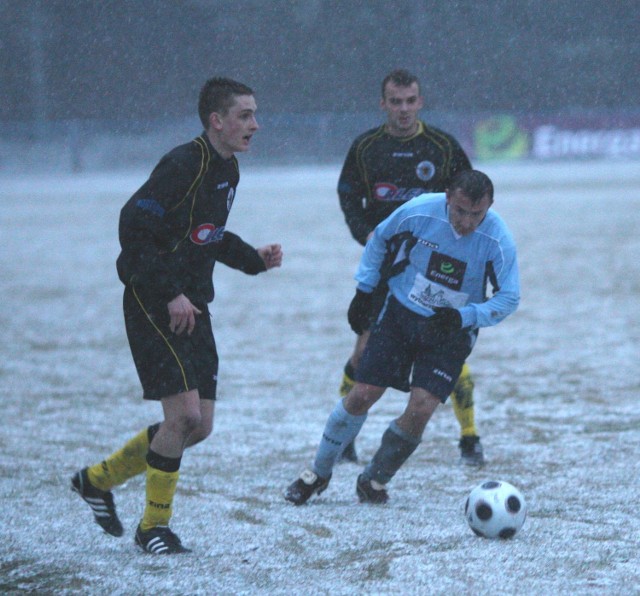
point(446, 320)
point(359, 310)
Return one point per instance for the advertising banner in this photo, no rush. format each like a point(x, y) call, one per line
point(557, 136)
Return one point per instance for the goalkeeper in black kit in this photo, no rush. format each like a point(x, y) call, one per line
point(384, 168)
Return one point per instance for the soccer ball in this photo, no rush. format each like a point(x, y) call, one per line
point(495, 509)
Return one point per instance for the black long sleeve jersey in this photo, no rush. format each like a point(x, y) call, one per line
point(381, 172)
point(172, 230)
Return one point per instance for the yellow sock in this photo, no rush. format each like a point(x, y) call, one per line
point(161, 487)
point(462, 400)
point(347, 379)
point(125, 463)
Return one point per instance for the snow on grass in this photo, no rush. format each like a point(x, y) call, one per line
point(556, 391)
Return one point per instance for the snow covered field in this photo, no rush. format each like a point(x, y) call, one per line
point(557, 402)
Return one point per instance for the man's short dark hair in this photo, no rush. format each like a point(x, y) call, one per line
point(473, 184)
point(218, 95)
point(401, 78)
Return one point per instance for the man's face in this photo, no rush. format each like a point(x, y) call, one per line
point(233, 130)
point(402, 105)
point(464, 215)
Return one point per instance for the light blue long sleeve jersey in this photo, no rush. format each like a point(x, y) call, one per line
point(444, 268)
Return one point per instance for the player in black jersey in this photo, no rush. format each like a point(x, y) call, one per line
point(172, 232)
point(385, 167)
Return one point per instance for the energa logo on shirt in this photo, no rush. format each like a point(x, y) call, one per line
point(206, 234)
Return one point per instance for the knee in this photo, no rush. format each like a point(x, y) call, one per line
point(186, 423)
point(199, 434)
point(359, 400)
point(465, 379)
point(422, 406)
point(463, 390)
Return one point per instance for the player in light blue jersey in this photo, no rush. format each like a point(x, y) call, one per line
point(438, 253)
point(451, 259)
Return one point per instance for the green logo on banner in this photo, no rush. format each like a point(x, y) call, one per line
point(500, 138)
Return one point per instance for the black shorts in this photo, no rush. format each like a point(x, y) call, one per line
point(400, 341)
point(167, 363)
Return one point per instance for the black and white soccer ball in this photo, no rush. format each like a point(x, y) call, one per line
point(495, 509)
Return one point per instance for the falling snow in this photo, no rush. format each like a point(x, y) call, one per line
point(557, 388)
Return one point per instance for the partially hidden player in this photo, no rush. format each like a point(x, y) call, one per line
point(172, 232)
point(445, 249)
point(385, 167)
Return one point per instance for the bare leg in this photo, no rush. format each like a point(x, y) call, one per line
point(419, 410)
point(182, 416)
point(207, 409)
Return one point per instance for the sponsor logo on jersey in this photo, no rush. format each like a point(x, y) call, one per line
point(425, 170)
point(402, 154)
point(390, 193)
point(222, 185)
point(230, 197)
point(206, 234)
point(427, 294)
point(446, 270)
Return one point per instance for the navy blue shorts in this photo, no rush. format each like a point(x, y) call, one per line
point(402, 346)
point(167, 363)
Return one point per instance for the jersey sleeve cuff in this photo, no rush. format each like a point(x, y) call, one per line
point(469, 316)
point(367, 289)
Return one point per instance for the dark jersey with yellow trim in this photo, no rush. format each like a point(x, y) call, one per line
point(381, 172)
point(172, 230)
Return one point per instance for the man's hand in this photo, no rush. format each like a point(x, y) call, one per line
point(271, 255)
point(359, 310)
point(446, 320)
point(182, 315)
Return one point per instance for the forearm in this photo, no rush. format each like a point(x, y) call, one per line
point(237, 254)
point(491, 312)
point(355, 216)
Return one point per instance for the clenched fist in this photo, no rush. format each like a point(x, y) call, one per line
point(271, 254)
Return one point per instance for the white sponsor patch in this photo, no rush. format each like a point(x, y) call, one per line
point(428, 294)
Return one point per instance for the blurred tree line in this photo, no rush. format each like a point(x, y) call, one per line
point(146, 59)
